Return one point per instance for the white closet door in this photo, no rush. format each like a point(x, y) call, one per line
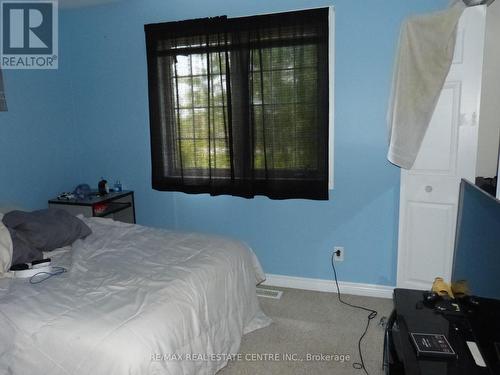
point(429, 191)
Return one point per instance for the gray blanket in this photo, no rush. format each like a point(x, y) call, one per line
point(43, 230)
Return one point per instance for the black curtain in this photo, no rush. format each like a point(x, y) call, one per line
point(240, 106)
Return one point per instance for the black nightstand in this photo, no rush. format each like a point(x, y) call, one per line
point(118, 206)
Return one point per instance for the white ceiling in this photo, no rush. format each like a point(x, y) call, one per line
point(82, 3)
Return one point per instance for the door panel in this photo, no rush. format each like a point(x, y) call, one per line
point(429, 191)
point(438, 152)
point(438, 221)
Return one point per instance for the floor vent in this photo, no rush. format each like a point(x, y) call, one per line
point(269, 293)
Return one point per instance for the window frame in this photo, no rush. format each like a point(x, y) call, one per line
point(175, 171)
point(331, 96)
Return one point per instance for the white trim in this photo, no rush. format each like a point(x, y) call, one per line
point(280, 11)
point(321, 285)
point(331, 102)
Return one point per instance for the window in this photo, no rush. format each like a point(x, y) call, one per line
point(240, 106)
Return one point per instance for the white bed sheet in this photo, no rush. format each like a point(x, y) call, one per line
point(133, 297)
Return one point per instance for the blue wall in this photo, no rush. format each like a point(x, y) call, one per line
point(37, 135)
point(107, 76)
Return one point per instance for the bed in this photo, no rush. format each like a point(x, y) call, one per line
point(135, 300)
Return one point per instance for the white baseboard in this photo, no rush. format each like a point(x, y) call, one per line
point(320, 285)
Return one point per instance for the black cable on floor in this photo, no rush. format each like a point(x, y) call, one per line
point(372, 314)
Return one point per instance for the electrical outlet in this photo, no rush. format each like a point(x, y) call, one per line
point(338, 253)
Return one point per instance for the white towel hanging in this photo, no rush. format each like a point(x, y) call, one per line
point(423, 60)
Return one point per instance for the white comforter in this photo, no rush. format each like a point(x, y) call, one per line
point(136, 300)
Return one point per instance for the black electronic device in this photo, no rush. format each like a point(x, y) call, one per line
point(472, 335)
point(19, 267)
point(41, 262)
point(102, 186)
point(430, 298)
point(477, 255)
point(432, 345)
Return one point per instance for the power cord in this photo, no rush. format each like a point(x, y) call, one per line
point(372, 314)
point(42, 276)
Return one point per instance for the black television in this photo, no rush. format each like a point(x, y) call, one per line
point(477, 241)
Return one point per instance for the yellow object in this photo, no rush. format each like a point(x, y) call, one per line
point(460, 288)
point(442, 288)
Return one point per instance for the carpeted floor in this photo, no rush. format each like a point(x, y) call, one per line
point(315, 323)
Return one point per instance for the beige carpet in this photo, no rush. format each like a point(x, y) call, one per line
point(315, 323)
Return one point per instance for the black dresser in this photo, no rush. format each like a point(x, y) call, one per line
point(478, 322)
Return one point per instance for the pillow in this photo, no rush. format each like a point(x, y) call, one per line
point(46, 230)
point(23, 252)
point(4, 208)
point(5, 249)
